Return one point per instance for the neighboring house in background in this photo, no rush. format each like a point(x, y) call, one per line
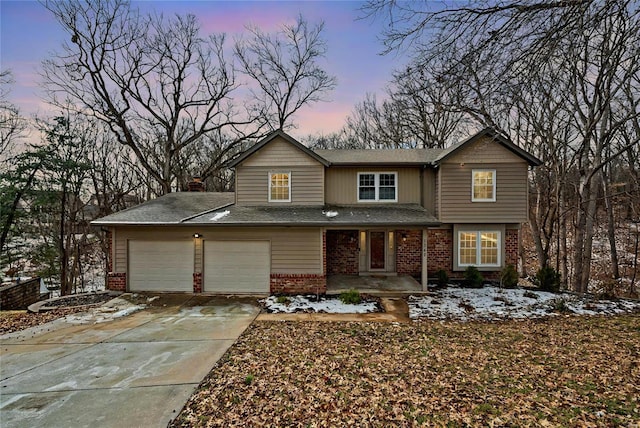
point(299, 216)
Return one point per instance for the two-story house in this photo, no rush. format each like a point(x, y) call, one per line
point(299, 216)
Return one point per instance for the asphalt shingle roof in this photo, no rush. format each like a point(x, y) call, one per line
point(396, 215)
point(380, 156)
point(208, 208)
point(170, 208)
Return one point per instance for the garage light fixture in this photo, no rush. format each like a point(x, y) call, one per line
point(197, 235)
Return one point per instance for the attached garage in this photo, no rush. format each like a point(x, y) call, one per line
point(161, 265)
point(237, 266)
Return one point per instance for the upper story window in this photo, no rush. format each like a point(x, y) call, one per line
point(479, 248)
point(280, 187)
point(483, 185)
point(377, 187)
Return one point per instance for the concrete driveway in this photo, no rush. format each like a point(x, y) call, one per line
point(136, 371)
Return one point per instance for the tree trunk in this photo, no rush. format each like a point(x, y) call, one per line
point(64, 284)
point(583, 244)
point(537, 234)
point(611, 230)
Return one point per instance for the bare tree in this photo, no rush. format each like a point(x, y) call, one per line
point(157, 83)
point(554, 75)
point(286, 67)
point(12, 124)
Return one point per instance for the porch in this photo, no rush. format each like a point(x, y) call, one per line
point(374, 284)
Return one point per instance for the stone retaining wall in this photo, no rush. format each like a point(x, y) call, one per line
point(19, 296)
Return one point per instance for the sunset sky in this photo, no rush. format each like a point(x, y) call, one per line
point(29, 34)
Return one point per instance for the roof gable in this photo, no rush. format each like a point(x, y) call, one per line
point(494, 136)
point(277, 135)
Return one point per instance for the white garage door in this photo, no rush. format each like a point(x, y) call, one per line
point(237, 266)
point(161, 266)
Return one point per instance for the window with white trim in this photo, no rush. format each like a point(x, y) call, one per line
point(377, 187)
point(483, 185)
point(479, 248)
point(279, 187)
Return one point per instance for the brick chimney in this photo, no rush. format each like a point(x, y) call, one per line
point(196, 185)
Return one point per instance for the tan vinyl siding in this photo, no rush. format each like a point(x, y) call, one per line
point(307, 185)
point(342, 185)
point(429, 190)
point(279, 153)
point(511, 194)
point(293, 250)
point(485, 151)
point(438, 193)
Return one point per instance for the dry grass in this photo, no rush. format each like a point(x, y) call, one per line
point(566, 371)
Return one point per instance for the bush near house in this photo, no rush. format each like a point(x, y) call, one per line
point(442, 278)
point(547, 279)
point(351, 297)
point(509, 277)
point(472, 278)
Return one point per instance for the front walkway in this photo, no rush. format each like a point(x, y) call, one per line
point(136, 371)
point(374, 284)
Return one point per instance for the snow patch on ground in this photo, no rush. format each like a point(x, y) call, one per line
point(308, 304)
point(113, 309)
point(492, 303)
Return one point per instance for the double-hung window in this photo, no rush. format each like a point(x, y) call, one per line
point(483, 185)
point(280, 187)
point(377, 187)
point(479, 248)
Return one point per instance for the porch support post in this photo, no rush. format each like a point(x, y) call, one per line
point(424, 260)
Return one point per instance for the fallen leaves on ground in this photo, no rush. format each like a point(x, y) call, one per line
point(15, 321)
point(569, 371)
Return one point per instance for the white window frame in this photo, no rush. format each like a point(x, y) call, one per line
point(270, 175)
point(377, 186)
point(478, 234)
point(473, 184)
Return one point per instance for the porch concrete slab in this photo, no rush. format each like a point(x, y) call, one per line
point(107, 408)
point(374, 284)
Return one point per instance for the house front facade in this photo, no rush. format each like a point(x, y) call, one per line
point(298, 217)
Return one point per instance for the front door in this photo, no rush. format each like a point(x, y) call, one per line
point(376, 250)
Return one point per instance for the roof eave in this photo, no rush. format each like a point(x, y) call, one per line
point(382, 164)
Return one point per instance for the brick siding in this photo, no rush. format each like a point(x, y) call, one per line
point(511, 245)
point(341, 249)
point(440, 253)
point(197, 282)
point(439, 250)
point(298, 283)
point(117, 281)
point(409, 252)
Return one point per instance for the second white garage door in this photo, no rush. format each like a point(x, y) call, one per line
point(161, 266)
point(237, 266)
